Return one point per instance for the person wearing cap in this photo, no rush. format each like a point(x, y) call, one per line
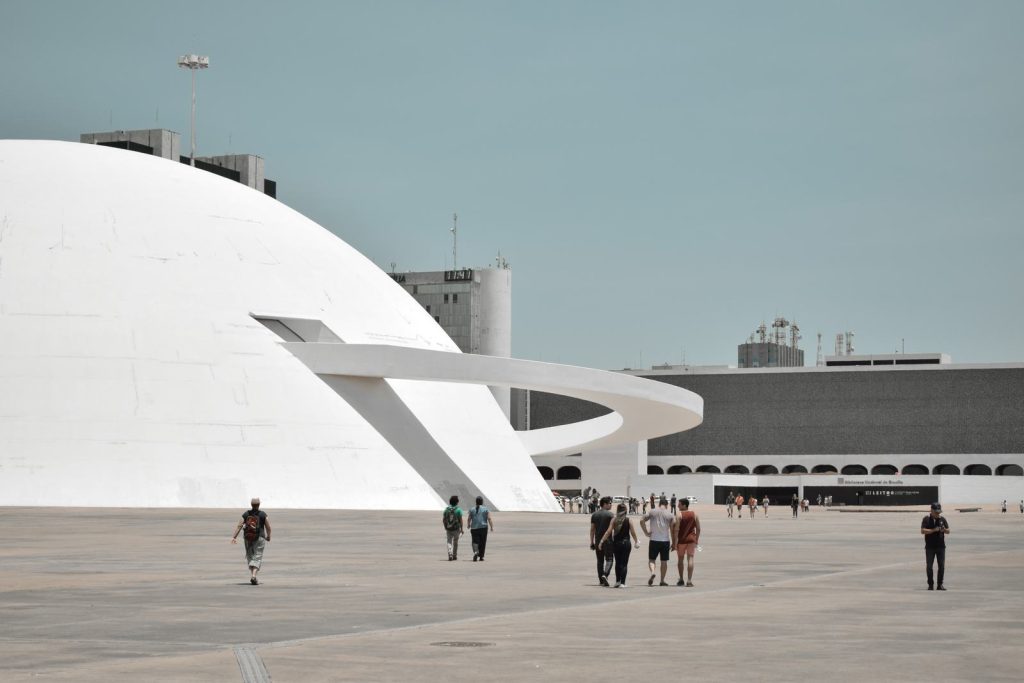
point(257, 535)
point(935, 528)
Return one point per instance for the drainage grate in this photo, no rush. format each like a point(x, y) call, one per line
point(461, 643)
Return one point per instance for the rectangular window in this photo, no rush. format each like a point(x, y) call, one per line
point(446, 298)
point(455, 298)
point(437, 318)
point(428, 308)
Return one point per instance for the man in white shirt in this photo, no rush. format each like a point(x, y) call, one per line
point(660, 534)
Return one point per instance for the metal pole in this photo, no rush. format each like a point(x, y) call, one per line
point(193, 131)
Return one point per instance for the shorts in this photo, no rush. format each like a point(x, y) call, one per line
point(657, 548)
point(686, 549)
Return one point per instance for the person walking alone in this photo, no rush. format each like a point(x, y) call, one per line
point(935, 528)
point(451, 518)
point(479, 522)
point(730, 500)
point(765, 504)
point(795, 504)
point(256, 537)
point(618, 535)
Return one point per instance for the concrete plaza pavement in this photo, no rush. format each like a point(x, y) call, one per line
point(135, 595)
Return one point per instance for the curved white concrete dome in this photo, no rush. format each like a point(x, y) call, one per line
point(134, 375)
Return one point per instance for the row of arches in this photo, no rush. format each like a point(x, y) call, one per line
point(978, 469)
point(566, 472)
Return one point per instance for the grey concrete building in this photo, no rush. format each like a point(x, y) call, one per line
point(247, 169)
point(473, 306)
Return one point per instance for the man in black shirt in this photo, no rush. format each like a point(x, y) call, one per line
point(599, 522)
point(256, 537)
point(934, 528)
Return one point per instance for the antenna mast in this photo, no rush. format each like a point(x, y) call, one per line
point(455, 241)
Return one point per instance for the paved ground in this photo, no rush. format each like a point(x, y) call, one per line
point(130, 595)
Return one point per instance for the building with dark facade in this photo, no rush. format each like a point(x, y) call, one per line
point(865, 420)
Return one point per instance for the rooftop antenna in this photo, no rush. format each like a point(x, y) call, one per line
point(455, 241)
point(820, 361)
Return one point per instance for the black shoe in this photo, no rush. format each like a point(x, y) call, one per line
point(604, 581)
point(941, 588)
point(680, 582)
point(475, 557)
point(481, 558)
point(931, 588)
point(253, 580)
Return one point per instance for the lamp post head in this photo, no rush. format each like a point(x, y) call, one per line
point(194, 62)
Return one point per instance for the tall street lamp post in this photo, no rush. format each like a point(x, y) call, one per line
point(193, 63)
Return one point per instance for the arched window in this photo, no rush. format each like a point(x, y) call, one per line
point(794, 469)
point(679, 469)
point(654, 469)
point(915, 469)
point(766, 469)
point(736, 469)
point(947, 469)
point(824, 469)
point(710, 469)
point(546, 472)
point(855, 469)
point(978, 469)
point(569, 472)
point(883, 469)
point(1010, 471)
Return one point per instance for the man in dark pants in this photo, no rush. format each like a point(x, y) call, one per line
point(934, 528)
point(599, 522)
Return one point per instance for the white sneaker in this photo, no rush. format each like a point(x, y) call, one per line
point(618, 585)
point(624, 585)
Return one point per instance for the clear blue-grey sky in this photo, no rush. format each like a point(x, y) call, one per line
point(662, 176)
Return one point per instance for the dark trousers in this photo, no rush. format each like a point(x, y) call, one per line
point(605, 558)
point(621, 552)
point(479, 541)
point(930, 555)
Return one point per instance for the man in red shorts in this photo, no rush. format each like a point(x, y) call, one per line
point(686, 536)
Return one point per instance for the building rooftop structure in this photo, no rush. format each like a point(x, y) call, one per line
point(247, 169)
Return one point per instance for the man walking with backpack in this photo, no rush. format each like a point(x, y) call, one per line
point(452, 521)
point(256, 536)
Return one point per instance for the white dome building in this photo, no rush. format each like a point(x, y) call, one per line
point(135, 372)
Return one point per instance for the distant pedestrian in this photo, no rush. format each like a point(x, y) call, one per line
point(795, 504)
point(821, 501)
point(1004, 506)
point(765, 504)
point(599, 522)
point(752, 503)
point(935, 528)
point(672, 504)
point(1022, 506)
point(618, 536)
point(645, 506)
point(479, 522)
point(256, 535)
point(730, 500)
point(686, 538)
point(660, 545)
point(451, 518)
point(739, 505)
